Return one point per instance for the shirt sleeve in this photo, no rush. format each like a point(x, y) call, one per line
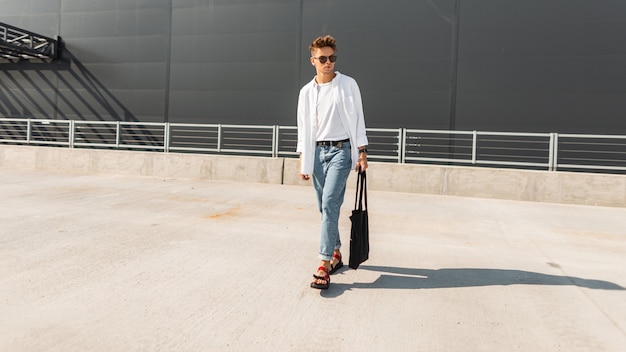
point(361, 136)
point(301, 123)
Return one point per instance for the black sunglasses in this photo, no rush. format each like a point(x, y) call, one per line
point(323, 59)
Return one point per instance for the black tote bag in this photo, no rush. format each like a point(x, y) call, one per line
point(359, 233)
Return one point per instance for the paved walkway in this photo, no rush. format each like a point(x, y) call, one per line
point(109, 263)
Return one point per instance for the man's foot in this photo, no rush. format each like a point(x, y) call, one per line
point(322, 279)
point(336, 263)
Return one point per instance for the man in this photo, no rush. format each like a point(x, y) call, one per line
point(331, 142)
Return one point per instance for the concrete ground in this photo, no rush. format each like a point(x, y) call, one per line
point(124, 263)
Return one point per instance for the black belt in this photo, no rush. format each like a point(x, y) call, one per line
point(337, 144)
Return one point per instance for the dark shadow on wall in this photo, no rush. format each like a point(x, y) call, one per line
point(406, 278)
point(63, 89)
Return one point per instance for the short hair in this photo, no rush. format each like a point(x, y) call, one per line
point(323, 41)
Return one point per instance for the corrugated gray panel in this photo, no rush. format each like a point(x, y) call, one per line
point(118, 50)
point(524, 65)
point(39, 16)
point(542, 65)
point(252, 107)
point(118, 6)
point(118, 58)
point(95, 94)
point(398, 51)
point(231, 16)
point(27, 93)
point(136, 22)
point(233, 62)
point(88, 104)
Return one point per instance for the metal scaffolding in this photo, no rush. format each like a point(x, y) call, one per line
point(17, 44)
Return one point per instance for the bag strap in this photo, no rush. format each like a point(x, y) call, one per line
point(364, 190)
point(361, 191)
point(357, 204)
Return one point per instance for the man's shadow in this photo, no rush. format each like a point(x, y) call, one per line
point(407, 278)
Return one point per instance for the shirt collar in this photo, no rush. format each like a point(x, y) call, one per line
point(333, 82)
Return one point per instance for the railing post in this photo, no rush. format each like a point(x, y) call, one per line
point(555, 157)
point(551, 153)
point(71, 136)
point(474, 144)
point(402, 145)
point(166, 137)
point(275, 141)
point(117, 135)
point(219, 138)
point(28, 131)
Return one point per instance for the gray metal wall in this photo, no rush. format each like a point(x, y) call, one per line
point(500, 65)
point(544, 65)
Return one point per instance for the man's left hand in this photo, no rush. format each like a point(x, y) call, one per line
point(361, 165)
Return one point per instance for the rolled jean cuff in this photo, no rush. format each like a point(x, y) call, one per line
point(326, 257)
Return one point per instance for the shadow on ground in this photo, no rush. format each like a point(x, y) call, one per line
point(407, 278)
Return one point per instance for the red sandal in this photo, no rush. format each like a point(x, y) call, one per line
point(339, 265)
point(326, 278)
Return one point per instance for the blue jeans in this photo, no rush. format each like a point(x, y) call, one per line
point(330, 173)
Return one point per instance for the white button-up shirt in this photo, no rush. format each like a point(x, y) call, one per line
point(347, 91)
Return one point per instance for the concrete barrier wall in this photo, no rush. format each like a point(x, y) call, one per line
point(524, 185)
point(174, 165)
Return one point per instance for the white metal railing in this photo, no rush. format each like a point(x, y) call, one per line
point(543, 151)
point(586, 151)
point(480, 148)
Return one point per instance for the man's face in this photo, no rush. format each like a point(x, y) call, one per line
point(326, 67)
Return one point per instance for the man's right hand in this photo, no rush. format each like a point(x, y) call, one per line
point(302, 176)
